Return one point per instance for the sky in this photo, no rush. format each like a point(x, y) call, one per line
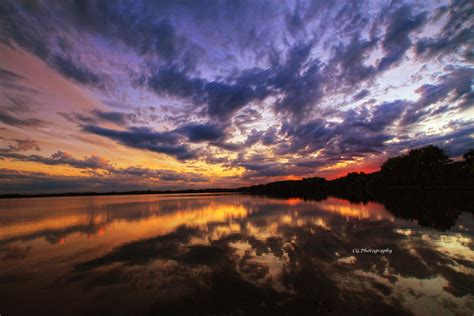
point(131, 95)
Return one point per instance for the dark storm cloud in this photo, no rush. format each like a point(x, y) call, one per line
point(75, 71)
point(173, 142)
point(294, 20)
point(139, 26)
point(298, 86)
point(146, 138)
point(455, 34)
point(350, 60)
point(149, 29)
point(299, 82)
point(456, 142)
point(357, 134)
point(267, 137)
point(315, 133)
point(254, 171)
point(260, 167)
point(20, 29)
point(222, 99)
point(114, 117)
point(365, 131)
point(31, 26)
point(361, 137)
point(427, 47)
point(201, 132)
point(337, 147)
point(301, 88)
point(174, 82)
point(452, 87)
point(397, 39)
point(164, 175)
point(383, 115)
point(223, 65)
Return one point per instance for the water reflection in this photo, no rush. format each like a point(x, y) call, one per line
point(228, 254)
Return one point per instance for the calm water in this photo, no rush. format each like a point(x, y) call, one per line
point(227, 254)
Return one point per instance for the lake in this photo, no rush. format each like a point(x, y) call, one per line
point(231, 254)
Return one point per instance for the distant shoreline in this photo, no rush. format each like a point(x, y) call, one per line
point(113, 193)
point(420, 170)
point(203, 191)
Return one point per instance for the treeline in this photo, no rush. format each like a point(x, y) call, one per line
point(423, 185)
point(425, 168)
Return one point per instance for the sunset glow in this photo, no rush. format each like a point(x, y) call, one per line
point(134, 95)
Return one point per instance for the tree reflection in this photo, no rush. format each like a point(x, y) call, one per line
point(265, 263)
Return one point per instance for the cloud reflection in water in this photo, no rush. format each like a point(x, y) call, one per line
point(231, 253)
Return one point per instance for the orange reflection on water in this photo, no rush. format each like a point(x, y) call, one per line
point(369, 210)
point(160, 222)
point(275, 235)
point(293, 201)
point(108, 216)
point(213, 212)
point(26, 227)
point(153, 217)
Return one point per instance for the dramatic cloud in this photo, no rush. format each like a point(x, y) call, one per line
point(60, 158)
point(146, 138)
point(201, 132)
point(37, 182)
point(397, 41)
point(456, 35)
point(453, 87)
point(237, 91)
point(99, 169)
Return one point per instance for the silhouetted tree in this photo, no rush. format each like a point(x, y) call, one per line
point(468, 167)
point(469, 156)
point(428, 168)
point(420, 167)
